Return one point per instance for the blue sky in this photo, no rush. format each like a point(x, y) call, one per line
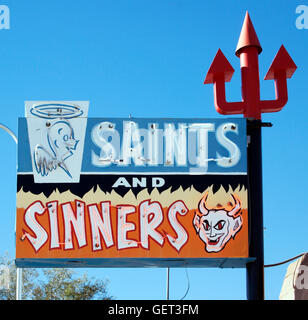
point(149, 59)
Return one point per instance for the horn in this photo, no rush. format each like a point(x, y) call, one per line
point(202, 207)
point(237, 206)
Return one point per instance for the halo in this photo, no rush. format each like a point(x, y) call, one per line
point(56, 110)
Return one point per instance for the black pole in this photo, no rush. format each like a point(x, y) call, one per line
point(255, 270)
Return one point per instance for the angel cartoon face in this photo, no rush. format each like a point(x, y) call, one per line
point(61, 144)
point(216, 227)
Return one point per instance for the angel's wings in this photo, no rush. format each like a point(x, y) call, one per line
point(44, 161)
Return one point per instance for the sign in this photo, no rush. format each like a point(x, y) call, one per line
point(128, 192)
point(55, 149)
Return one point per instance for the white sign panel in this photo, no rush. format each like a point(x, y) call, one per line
point(56, 131)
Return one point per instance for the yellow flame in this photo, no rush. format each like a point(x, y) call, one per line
point(190, 196)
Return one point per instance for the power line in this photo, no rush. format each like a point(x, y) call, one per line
point(282, 262)
point(188, 284)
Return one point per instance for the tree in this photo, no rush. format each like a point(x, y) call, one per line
point(60, 284)
point(53, 284)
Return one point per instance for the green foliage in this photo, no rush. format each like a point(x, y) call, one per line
point(53, 284)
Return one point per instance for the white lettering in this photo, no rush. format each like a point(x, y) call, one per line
point(234, 151)
point(142, 182)
point(132, 145)
point(41, 236)
point(151, 216)
point(175, 144)
point(199, 155)
point(52, 208)
point(156, 145)
point(107, 139)
point(157, 182)
point(100, 225)
point(75, 221)
point(182, 237)
point(124, 227)
point(121, 182)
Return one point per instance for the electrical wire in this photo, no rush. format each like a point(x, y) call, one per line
point(282, 262)
point(188, 285)
point(265, 266)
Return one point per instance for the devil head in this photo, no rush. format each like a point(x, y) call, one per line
point(216, 226)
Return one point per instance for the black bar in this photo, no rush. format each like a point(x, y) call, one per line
point(255, 270)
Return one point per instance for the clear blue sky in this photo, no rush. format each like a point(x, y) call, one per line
point(149, 59)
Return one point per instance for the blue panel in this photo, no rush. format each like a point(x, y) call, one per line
point(24, 158)
point(236, 136)
point(134, 263)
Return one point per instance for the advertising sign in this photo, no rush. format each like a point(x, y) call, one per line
point(128, 192)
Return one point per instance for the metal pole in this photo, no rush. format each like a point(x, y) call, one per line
point(167, 284)
point(255, 270)
point(9, 131)
point(18, 270)
point(18, 284)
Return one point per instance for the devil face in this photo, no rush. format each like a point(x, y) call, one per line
point(216, 227)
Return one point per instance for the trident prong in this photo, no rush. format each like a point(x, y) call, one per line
point(248, 50)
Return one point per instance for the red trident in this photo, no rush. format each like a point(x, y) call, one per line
point(248, 49)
